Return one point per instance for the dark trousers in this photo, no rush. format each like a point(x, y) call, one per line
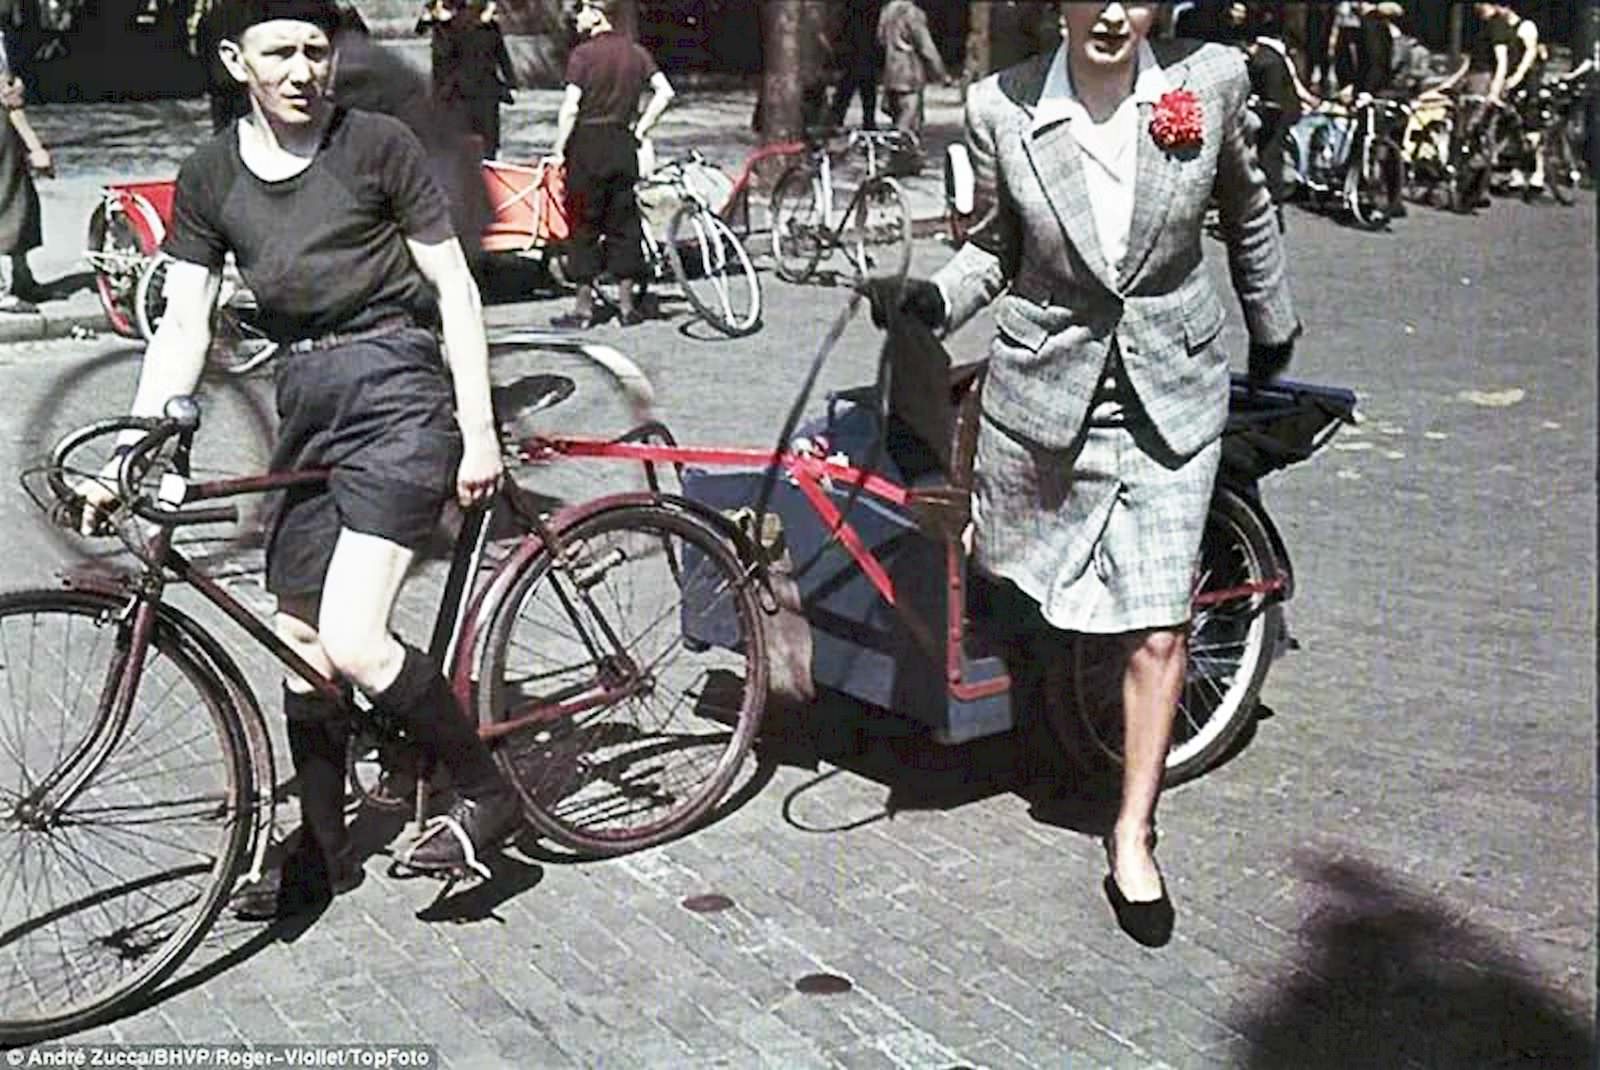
point(607, 235)
point(483, 119)
point(1271, 144)
point(854, 83)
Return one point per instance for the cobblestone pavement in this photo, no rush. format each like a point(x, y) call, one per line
point(1396, 870)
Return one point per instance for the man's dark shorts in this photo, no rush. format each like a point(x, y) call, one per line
point(380, 414)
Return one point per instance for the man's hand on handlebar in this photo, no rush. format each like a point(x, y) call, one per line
point(96, 496)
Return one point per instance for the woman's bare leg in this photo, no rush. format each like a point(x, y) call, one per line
point(1152, 682)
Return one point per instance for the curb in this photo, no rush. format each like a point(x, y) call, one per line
point(44, 326)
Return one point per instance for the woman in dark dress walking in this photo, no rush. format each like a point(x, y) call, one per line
point(472, 73)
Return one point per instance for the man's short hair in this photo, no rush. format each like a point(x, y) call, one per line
point(234, 17)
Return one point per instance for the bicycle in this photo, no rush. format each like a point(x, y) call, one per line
point(1346, 156)
point(1555, 110)
point(698, 251)
point(238, 344)
point(1475, 148)
point(136, 770)
point(806, 223)
point(124, 248)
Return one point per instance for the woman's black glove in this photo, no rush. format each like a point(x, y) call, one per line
point(1267, 362)
point(917, 298)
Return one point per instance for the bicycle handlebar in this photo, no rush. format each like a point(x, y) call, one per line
point(180, 419)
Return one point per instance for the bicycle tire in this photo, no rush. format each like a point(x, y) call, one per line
point(1231, 644)
point(799, 225)
point(880, 220)
point(1560, 167)
point(118, 257)
point(139, 952)
point(1373, 188)
point(717, 276)
point(598, 782)
point(237, 346)
point(150, 297)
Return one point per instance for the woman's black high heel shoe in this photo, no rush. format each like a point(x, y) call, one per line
point(1149, 922)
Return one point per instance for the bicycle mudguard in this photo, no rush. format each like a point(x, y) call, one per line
point(215, 659)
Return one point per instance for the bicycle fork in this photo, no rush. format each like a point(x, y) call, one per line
point(40, 808)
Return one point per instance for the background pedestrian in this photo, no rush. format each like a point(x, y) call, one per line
point(472, 74)
point(22, 155)
point(910, 62)
point(860, 61)
point(598, 133)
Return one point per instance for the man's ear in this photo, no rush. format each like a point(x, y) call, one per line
point(232, 59)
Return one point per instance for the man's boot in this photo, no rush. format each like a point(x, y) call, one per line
point(322, 865)
point(486, 808)
point(582, 314)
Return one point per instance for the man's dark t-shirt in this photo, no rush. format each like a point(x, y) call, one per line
point(612, 71)
point(323, 250)
point(1497, 31)
point(1272, 81)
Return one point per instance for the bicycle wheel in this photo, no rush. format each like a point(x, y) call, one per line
point(150, 297)
point(638, 656)
point(879, 238)
point(116, 254)
point(238, 346)
point(1561, 174)
point(799, 224)
point(103, 895)
point(714, 271)
point(1375, 184)
point(1233, 632)
point(1472, 169)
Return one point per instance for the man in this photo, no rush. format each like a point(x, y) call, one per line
point(1503, 53)
point(347, 245)
point(910, 61)
point(598, 138)
point(1274, 82)
point(860, 62)
point(1106, 392)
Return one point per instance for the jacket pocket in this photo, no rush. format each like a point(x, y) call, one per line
point(1017, 329)
point(1203, 317)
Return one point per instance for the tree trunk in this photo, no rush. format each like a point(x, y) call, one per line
point(782, 23)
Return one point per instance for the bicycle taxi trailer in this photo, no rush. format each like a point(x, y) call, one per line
point(869, 517)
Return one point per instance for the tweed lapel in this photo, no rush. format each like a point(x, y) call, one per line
point(1154, 185)
point(1058, 165)
point(1057, 162)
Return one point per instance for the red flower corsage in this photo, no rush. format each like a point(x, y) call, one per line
point(1177, 123)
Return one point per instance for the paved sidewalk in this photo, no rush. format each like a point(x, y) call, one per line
point(100, 143)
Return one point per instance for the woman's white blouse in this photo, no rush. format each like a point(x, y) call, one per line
point(1110, 149)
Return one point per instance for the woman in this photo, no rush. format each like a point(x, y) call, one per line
point(1107, 387)
point(22, 155)
point(472, 72)
point(347, 245)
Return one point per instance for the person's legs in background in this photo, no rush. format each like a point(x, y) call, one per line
point(905, 107)
point(624, 243)
point(586, 209)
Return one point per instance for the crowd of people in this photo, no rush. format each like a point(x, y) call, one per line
point(1344, 52)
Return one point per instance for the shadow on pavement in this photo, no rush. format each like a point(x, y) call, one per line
point(1389, 979)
